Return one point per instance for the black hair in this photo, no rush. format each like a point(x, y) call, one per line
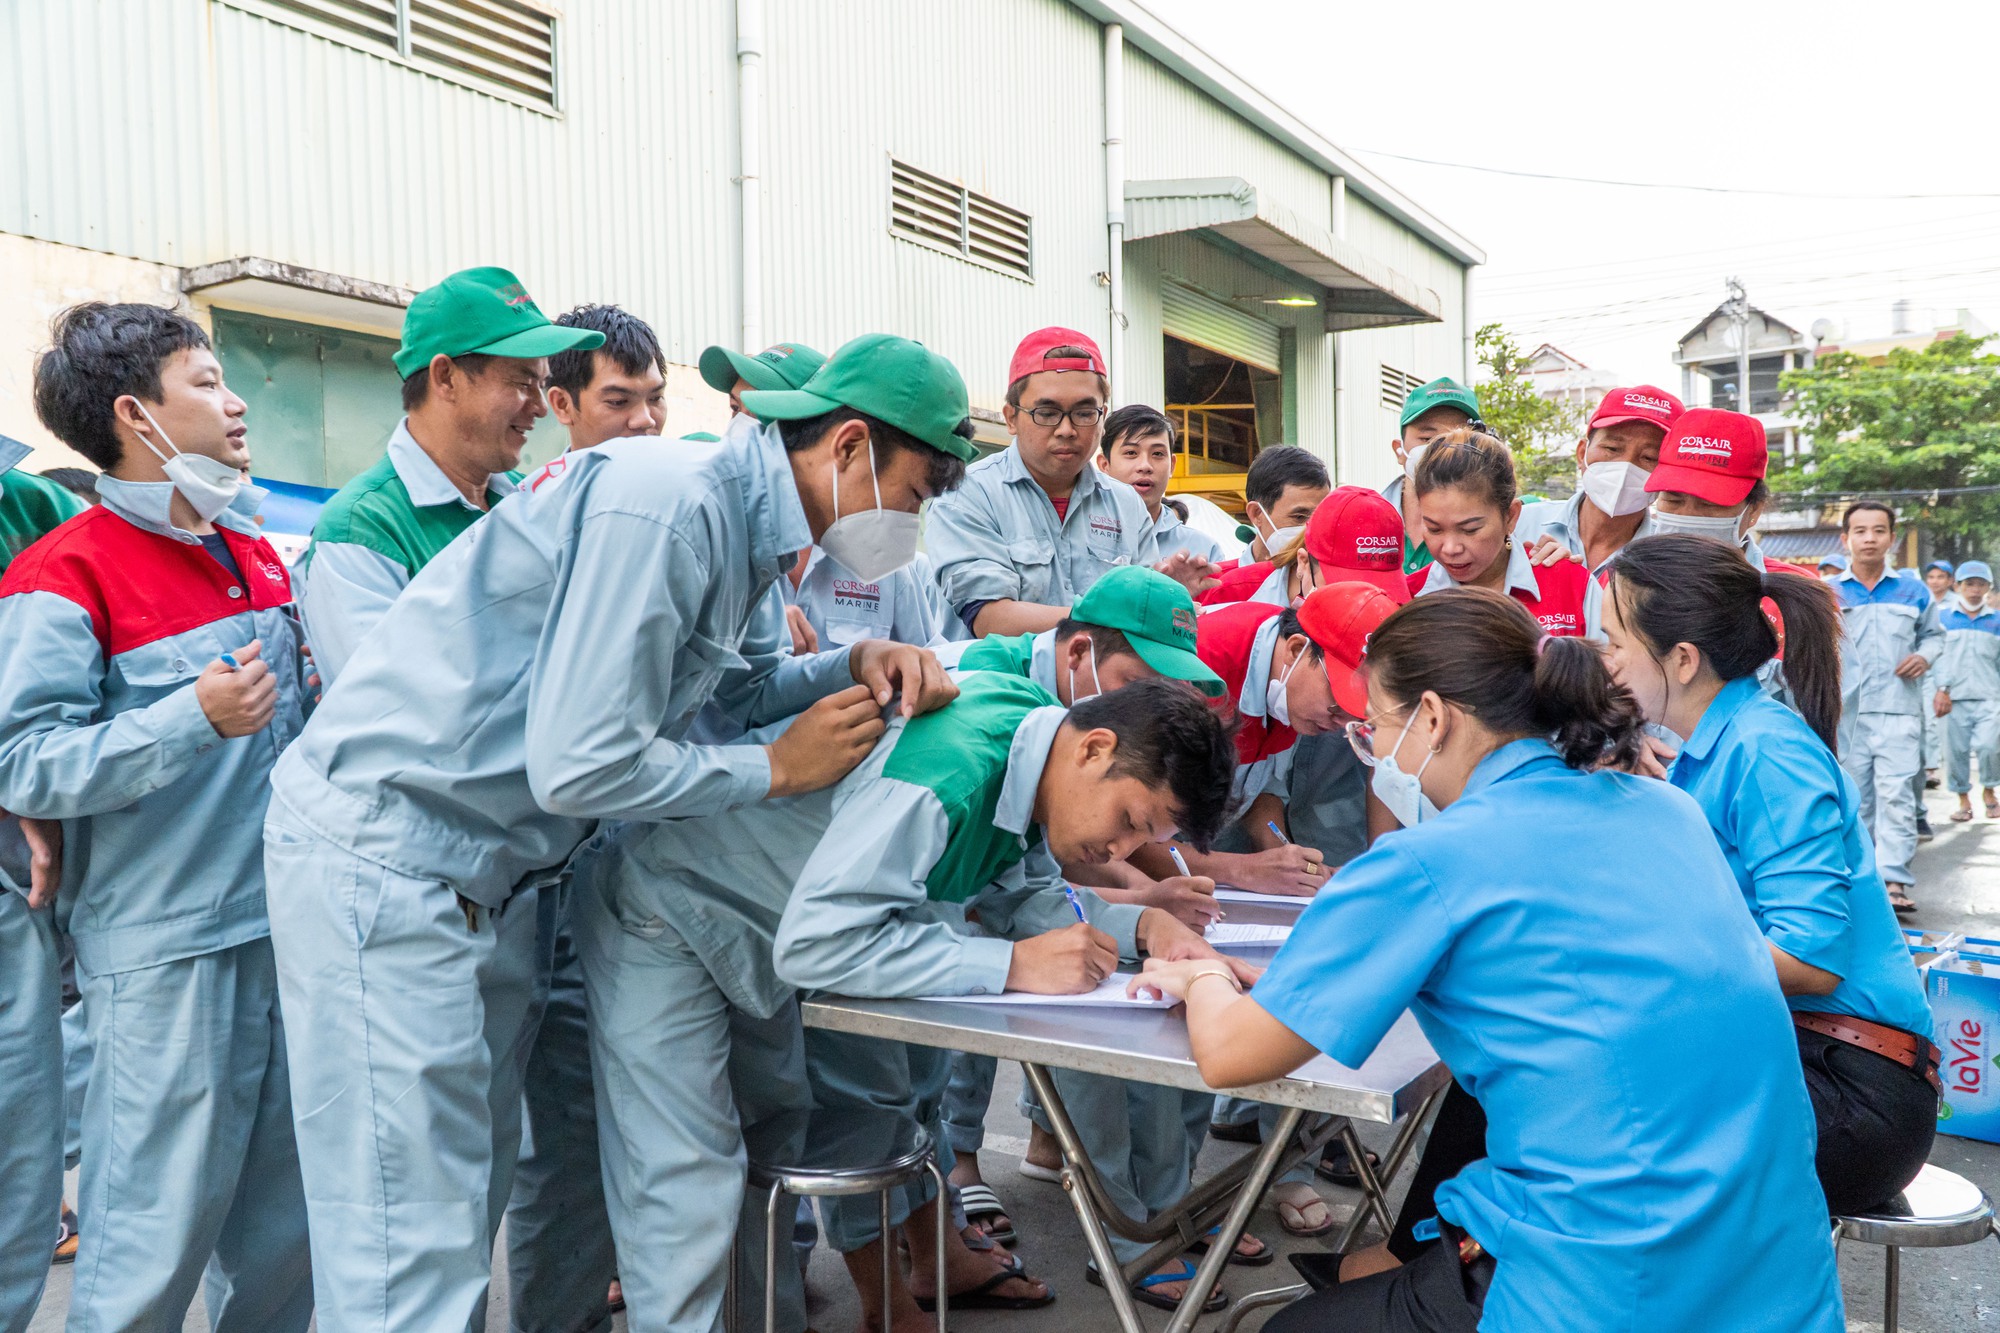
point(629, 344)
point(1289, 626)
point(98, 353)
point(78, 481)
point(1108, 642)
point(417, 386)
point(1682, 589)
point(1067, 352)
point(1877, 505)
point(944, 472)
point(1471, 460)
point(1168, 736)
point(1483, 652)
point(1278, 466)
point(1136, 419)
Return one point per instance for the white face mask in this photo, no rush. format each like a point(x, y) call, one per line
point(207, 484)
point(1617, 488)
point(1721, 528)
point(1096, 686)
point(873, 543)
point(1278, 704)
point(1413, 457)
point(1403, 793)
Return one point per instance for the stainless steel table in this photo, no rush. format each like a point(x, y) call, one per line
point(1400, 1081)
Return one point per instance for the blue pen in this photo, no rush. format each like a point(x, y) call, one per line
point(1180, 862)
point(1075, 904)
point(1272, 825)
point(229, 660)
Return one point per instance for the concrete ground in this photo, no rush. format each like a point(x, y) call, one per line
point(1942, 1290)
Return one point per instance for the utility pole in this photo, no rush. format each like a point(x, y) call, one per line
point(1739, 315)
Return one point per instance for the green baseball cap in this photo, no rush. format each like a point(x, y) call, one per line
point(485, 311)
point(786, 366)
point(1443, 391)
point(891, 379)
point(1156, 615)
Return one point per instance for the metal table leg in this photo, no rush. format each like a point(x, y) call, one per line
point(1210, 1270)
point(1086, 1215)
point(1250, 1304)
point(1373, 1185)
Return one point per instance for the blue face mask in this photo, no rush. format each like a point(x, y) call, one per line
point(1403, 793)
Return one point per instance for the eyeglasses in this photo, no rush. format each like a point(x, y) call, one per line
point(1083, 418)
point(1361, 735)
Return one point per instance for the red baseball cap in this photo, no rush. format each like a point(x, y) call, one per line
point(1340, 618)
point(1644, 402)
point(1357, 537)
point(1712, 455)
point(1032, 356)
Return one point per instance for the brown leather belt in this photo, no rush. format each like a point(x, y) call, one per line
point(1906, 1049)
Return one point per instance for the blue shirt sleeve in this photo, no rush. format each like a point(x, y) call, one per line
point(1785, 820)
point(1359, 954)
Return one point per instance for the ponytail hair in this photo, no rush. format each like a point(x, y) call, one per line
point(1481, 651)
point(1692, 590)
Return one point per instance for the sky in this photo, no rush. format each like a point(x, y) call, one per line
point(1811, 100)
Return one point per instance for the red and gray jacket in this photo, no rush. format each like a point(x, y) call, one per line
point(108, 621)
point(1237, 643)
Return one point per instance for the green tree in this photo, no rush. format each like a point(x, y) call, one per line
point(1542, 433)
point(1925, 421)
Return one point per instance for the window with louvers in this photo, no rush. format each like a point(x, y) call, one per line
point(937, 213)
point(1397, 385)
point(503, 46)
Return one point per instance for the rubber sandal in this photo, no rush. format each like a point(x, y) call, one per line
point(1965, 816)
point(1048, 1175)
point(617, 1303)
point(979, 1202)
point(1993, 809)
point(1906, 906)
point(1262, 1256)
point(982, 1297)
point(1298, 1211)
point(1247, 1132)
point(1344, 1174)
point(1142, 1290)
point(66, 1238)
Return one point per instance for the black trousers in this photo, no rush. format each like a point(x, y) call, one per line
point(1876, 1121)
point(1458, 1139)
point(1434, 1293)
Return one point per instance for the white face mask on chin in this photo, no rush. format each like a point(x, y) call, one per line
point(873, 543)
point(209, 485)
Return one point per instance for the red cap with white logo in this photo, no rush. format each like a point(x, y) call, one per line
point(1032, 356)
point(1712, 455)
point(1645, 403)
point(1357, 537)
point(1339, 618)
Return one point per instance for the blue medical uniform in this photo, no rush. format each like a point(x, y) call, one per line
point(1613, 1008)
point(1789, 824)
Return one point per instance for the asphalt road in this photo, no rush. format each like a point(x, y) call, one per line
point(1942, 1290)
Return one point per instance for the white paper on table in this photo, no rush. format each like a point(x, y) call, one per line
point(1245, 934)
point(1110, 991)
point(1268, 899)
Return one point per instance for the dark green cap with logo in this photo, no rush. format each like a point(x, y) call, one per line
point(786, 366)
point(1157, 617)
point(891, 379)
point(1441, 392)
point(483, 311)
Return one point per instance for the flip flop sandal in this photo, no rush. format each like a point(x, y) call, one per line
point(617, 1306)
point(1993, 809)
point(1298, 1211)
point(1257, 1258)
point(983, 1297)
point(1965, 816)
point(1015, 1265)
point(1048, 1175)
point(1142, 1290)
point(1247, 1132)
point(1343, 1173)
point(1904, 907)
point(66, 1239)
point(981, 1202)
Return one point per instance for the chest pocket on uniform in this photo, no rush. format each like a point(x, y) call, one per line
point(1034, 562)
point(1105, 540)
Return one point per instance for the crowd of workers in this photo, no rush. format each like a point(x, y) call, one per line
point(472, 868)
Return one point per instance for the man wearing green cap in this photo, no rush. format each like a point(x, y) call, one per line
point(1442, 405)
point(784, 366)
point(533, 679)
point(474, 356)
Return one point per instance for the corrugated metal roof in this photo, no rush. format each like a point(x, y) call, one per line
point(1360, 292)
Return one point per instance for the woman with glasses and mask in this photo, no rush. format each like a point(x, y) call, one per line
point(1687, 634)
point(1468, 504)
point(1574, 946)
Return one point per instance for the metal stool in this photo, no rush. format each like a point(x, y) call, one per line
point(874, 1152)
point(1938, 1209)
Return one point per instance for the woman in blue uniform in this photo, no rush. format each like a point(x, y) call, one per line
point(1575, 948)
point(1688, 633)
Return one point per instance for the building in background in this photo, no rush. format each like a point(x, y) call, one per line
point(1711, 362)
point(1904, 324)
point(1562, 378)
point(732, 172)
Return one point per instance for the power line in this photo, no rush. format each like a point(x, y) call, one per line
point(1666, 185)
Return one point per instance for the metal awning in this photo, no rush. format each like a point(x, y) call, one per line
point(1356, 290)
